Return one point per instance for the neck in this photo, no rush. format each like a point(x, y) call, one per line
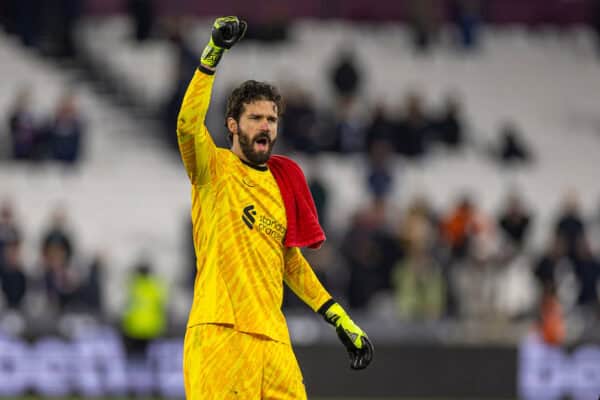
point(235, 149)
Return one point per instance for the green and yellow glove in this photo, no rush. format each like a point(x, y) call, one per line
point(356, 341)
point(226, 32)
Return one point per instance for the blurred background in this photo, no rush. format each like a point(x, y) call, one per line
point(452, 148)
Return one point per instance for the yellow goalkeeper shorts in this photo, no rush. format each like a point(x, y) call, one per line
point(222, 363)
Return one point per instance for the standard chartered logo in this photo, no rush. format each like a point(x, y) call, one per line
point(269, 226)
point(248, 216)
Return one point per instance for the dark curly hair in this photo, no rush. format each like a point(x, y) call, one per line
point(247, 93)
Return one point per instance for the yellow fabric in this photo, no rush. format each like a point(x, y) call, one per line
point(239, 225)
point(222, 363)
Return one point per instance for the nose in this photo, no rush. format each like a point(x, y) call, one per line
point(264, 125)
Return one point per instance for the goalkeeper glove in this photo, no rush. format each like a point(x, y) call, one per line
point(356, 341)
point(226, 32)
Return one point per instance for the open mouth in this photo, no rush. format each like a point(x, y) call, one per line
point(262, 143)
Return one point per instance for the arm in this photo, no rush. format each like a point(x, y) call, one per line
point(300, 277)
point(195, 144)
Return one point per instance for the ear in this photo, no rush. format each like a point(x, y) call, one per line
point(232, 125)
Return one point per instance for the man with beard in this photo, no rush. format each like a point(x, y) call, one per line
point(251, 213)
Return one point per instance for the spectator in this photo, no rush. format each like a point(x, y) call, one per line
point(551, 322)
point(514, 221)
point(449, 127)
point(379, 179)
point(9, 231)
point(587, 270)
point(349, 131)
point(424, 22)
point(570, 225)
point(22, 127)
point(14, 281)
point(512, 149)
point(419, 286)
point(58, 235)
point(466, 16)
point(460, 228)
point(545, 268)
point(360, 251)
point(66, 131)
point(90, 290)
point(301, 126)
point(417, 232)
point(472, 283)
point(346, 77)
point(380, 129)
point(413, 129)
point(61, 279)
point(370, 252)
point(145, 316)
point(515, 287)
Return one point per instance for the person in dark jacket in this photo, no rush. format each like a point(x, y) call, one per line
point(12, 275)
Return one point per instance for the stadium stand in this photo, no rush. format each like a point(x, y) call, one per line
point(120, 172)
point(445, 316)
point(549, 88)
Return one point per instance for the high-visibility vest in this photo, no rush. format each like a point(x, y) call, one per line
point(145, 315)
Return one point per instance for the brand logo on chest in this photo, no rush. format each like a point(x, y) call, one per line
point(248, 216)
point(263, 224)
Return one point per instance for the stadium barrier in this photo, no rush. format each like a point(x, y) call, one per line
point(96, 365)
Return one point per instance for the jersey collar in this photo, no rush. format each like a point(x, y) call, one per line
point(256, 167)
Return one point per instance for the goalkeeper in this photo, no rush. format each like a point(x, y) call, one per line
point(251, 213)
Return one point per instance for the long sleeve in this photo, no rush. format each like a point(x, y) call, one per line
point(301, 278)
point(196, 146)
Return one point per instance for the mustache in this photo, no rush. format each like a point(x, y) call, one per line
point(262, 135)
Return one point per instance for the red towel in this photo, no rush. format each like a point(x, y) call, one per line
point(303, 228)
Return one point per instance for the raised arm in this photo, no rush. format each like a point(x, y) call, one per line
point(196, 146)
point(195, 143)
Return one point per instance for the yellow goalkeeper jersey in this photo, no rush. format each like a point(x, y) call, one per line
point(239, 224)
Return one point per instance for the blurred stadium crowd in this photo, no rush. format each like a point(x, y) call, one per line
point(405, 258)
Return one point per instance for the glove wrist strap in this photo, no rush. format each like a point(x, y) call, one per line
point(333, 313)
point(211, 55)
point(323, 309)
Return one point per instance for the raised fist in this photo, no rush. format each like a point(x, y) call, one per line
point(227, 31)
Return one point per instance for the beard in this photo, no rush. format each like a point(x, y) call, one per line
point(256, 157)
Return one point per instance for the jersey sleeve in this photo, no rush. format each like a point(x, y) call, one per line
point(301, 278)
point(197, 149)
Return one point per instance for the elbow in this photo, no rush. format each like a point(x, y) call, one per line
point(184, 124)
point(180, 128)
point(187, 122)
